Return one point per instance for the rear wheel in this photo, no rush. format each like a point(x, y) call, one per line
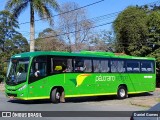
point(122, 92)
point(55, 96)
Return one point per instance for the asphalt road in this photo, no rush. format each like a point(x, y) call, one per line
point(74, 104)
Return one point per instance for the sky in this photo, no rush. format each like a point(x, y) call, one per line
point(102, 8)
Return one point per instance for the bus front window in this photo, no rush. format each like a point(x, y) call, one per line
point(17, 71)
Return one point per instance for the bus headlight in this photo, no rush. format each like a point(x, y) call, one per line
point(21, 88)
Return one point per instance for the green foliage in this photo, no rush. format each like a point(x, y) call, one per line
point(8, 25)
point(154, 29)
point(138, 31)
point(48, 40)
point(154, 34)
point(131, 32)
point(11, 41)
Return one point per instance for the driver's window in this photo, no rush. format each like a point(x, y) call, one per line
point(39, 68)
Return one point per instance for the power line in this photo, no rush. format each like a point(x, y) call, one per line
point(66, 11)
point(152, 3)
point(77, 30)
point(92, 20)
point(95, 19)
point(99, 18)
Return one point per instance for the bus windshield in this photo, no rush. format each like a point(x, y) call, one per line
point(17, 71)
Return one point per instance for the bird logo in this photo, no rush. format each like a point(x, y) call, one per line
point(80, 78)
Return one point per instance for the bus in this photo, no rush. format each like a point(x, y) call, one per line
point(59, 75)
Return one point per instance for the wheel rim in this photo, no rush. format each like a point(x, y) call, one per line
point(58, 95)
point(122, 92)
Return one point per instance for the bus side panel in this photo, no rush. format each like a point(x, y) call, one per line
point(78, 84)
point(138, 82)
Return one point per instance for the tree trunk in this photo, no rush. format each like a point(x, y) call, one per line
point(32, 37)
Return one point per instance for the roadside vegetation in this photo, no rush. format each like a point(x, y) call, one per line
point(136, 31)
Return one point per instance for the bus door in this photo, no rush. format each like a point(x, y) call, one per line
point(62, 74)
point(38, 78)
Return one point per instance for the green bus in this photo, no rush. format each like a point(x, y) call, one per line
point(59, 75)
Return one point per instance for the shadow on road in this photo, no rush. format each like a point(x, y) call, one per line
point(80, 99)
point(141, 95)
point(30, 101)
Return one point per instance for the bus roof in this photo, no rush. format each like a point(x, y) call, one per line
point(82, 54)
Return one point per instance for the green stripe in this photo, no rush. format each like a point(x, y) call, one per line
point(137, 92)
point(32, 98)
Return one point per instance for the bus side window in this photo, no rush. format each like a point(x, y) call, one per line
point(79, 65)
point(104, 66)
point(87, 66)
point(39, 68)
point(147, 67)
point(69, 65)
point(117, 66)
point(60, 65)
point(133, 66)
point(96, 65)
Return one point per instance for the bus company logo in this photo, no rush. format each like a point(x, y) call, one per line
point(80, 78)
point(104, 78)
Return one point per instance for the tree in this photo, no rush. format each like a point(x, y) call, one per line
point(154, 34)
point(74, 25)
point(11, 41)
point(103, 41)
point(131, 32)
point(8, 25)
point(48, 40)
point(20, 44)
point(42, 7)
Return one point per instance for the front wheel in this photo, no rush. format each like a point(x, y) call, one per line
point(122, 92)
point(55, 96)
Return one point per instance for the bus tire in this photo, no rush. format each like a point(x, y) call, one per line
point(122, 92)
point(55, 96)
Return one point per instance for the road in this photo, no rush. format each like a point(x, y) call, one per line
point(75, 104)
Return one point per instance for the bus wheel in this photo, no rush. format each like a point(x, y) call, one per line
point(122, 92)
point(55, 96)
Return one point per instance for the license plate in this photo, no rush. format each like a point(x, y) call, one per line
point(11, 97)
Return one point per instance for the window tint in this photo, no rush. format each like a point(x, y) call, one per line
point(69, 65)
point(96, 65)
point(88, 66)
point(60, 65)
point(100, 65)
point(133, 66)
point(117, 66)
point(83, 65)
point(79, 65)
point(147, 67)
point(38, 69)
point(39, 64)
point(104, 66)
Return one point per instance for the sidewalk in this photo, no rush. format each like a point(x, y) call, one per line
point(1, 87)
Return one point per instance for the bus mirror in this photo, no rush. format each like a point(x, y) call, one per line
point(57, 68)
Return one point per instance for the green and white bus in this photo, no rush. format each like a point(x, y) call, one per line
point(60, 75)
